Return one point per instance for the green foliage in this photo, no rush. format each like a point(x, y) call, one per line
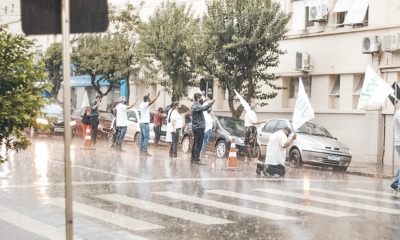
point(109, 56)
point(240, 42)
point(21, 86)
point(167, 47)
point(53, 62)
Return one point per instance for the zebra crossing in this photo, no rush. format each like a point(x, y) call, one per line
point(257, 203)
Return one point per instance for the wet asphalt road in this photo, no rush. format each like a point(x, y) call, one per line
point(124, 196)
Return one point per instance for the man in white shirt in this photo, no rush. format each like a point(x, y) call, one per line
point(207, 131)
point(144, 123)
point(121, 121)
point(276, 152)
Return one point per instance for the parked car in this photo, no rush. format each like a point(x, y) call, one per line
point(224, 129)
point(314, 145)
point(133, 130)
point(50, 121)
point(105, 119)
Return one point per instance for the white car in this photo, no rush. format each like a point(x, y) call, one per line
point(133, 130)
point(314, 145)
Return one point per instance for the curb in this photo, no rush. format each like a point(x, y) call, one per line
point(368, 174)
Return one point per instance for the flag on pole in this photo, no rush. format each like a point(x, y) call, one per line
point(85, 100)
point(374, 90)
point(303, 110)
point(394, 98)
point(246, 106)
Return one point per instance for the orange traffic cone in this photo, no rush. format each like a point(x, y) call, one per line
point(87, 142)
point(232, 159)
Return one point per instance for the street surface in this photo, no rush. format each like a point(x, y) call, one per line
point(124, 196)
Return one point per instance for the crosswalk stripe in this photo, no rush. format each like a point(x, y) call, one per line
point(331, 201)
point(31, 224)
point(391, 194)
point(162, 209)
point(110, 217)
point(356, 196)
point(225, 206)
point(280, 203)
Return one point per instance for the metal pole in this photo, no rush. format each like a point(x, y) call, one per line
point(65, 23)
point(394, 120)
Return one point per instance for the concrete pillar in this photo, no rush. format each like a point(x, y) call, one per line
point(374, 135)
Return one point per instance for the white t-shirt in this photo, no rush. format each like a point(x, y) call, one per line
point(168, 136)
point(397, 128)
point(250, 118)
point(122, 117)
point(175, 116)
point(276, 154)
point(208, 120)
point(145, 112)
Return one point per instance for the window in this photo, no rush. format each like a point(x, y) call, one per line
point(281, 125)
point(270, 126)
point(308, 22)
point(351, 12)
point(358, 89)
point(294, 86)
point(299, 15)
point(336, 88)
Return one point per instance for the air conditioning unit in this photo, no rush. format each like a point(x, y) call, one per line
point(318, 13)
point(303, 62)
point(391, 43)
point(370, 44)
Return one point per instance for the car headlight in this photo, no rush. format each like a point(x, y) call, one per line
point(345, 150)
point(43, 121)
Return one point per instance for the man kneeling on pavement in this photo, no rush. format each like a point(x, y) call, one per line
point(276, 153)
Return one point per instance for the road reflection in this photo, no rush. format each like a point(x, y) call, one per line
point(41, 161)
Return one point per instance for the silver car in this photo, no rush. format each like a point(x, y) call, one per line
point(314, 145)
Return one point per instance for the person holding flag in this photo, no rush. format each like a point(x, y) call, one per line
point(250, 124)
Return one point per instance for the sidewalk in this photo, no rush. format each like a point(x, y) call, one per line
point(371, 170)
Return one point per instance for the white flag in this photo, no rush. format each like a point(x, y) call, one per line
point(374, 90)
point(85, 100)
point(246, 106)
point(303, 110)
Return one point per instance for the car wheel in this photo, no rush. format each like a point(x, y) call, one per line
point(295, 158)
point(136, 140)
point(185, 144)
point(221, 149)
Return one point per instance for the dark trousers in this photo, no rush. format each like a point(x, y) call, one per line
point(157, 134)
point(198, 135)
point(276, 169)
point(173, 149)
point(95, 125)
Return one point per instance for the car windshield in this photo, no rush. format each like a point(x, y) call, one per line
point(53, 110)
point(232, 125)
point(314, 129)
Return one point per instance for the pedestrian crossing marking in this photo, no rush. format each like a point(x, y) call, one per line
point(163, 209)
point(356, 196)
point(226, 206)
point(391, 194)
point(107, 216)
point(331, 201)
point(32, 225)
point(281, 203)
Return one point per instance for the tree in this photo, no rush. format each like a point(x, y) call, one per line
point(240, 42)
point(53, 62)
point(21, 85)
point(110, 56)
point(166, 43)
